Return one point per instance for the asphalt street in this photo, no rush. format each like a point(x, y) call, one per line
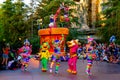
point(100, 71)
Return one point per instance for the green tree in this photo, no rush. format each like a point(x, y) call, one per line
point(73, 34)
point(111, 10)
point(13, 21)
point(1, 29)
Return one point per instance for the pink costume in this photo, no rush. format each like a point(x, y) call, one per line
point(25, 52)
point(73, 56)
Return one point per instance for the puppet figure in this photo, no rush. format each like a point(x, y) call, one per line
point(52, 21)
point(73, 46)
point(44, 56)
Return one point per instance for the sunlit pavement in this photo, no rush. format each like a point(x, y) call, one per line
point(100, 71)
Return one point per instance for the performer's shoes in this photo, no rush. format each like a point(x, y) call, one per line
point(88, 73)
point(25, 69)
point(50, 70)
point(44, 70)
point(56, 72)
point(68, 70)
point(74, 72)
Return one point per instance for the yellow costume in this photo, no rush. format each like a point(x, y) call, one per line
point(44, 56)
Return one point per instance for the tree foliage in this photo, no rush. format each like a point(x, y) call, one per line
point(13, 21)
point(111, 10)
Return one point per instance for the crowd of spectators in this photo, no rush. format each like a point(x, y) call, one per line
point(104, 52)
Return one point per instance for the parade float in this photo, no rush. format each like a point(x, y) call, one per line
point(54, 32)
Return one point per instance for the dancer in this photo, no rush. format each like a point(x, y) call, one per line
point(44, 56)
point(90, 56)
point(56, 55)
point(25, 52)
point(73, 45)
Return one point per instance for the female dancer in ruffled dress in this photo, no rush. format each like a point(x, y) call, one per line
point(25, 52)
point(90, 56)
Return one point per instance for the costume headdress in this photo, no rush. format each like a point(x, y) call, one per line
point(90, 39)
point(112, 38)
point(57, 41)
point(26, 42)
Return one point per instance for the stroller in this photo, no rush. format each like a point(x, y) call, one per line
point(14, 61)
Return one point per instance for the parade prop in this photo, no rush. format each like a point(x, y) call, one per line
point(49, 35)
point(53, 32)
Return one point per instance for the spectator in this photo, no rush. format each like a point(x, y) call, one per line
point(5, 49)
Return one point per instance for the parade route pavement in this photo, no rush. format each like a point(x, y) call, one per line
point(100, 71)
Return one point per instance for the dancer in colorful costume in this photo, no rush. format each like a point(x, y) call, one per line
point(73, 45)
point(25, 52)
point(56, 55)
point(44, 56)
point(90, 56)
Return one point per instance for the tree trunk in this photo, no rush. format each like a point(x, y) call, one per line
point(90, 13)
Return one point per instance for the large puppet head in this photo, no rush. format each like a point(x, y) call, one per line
point(45, 46)
point(72, 43)
point(56, 43)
